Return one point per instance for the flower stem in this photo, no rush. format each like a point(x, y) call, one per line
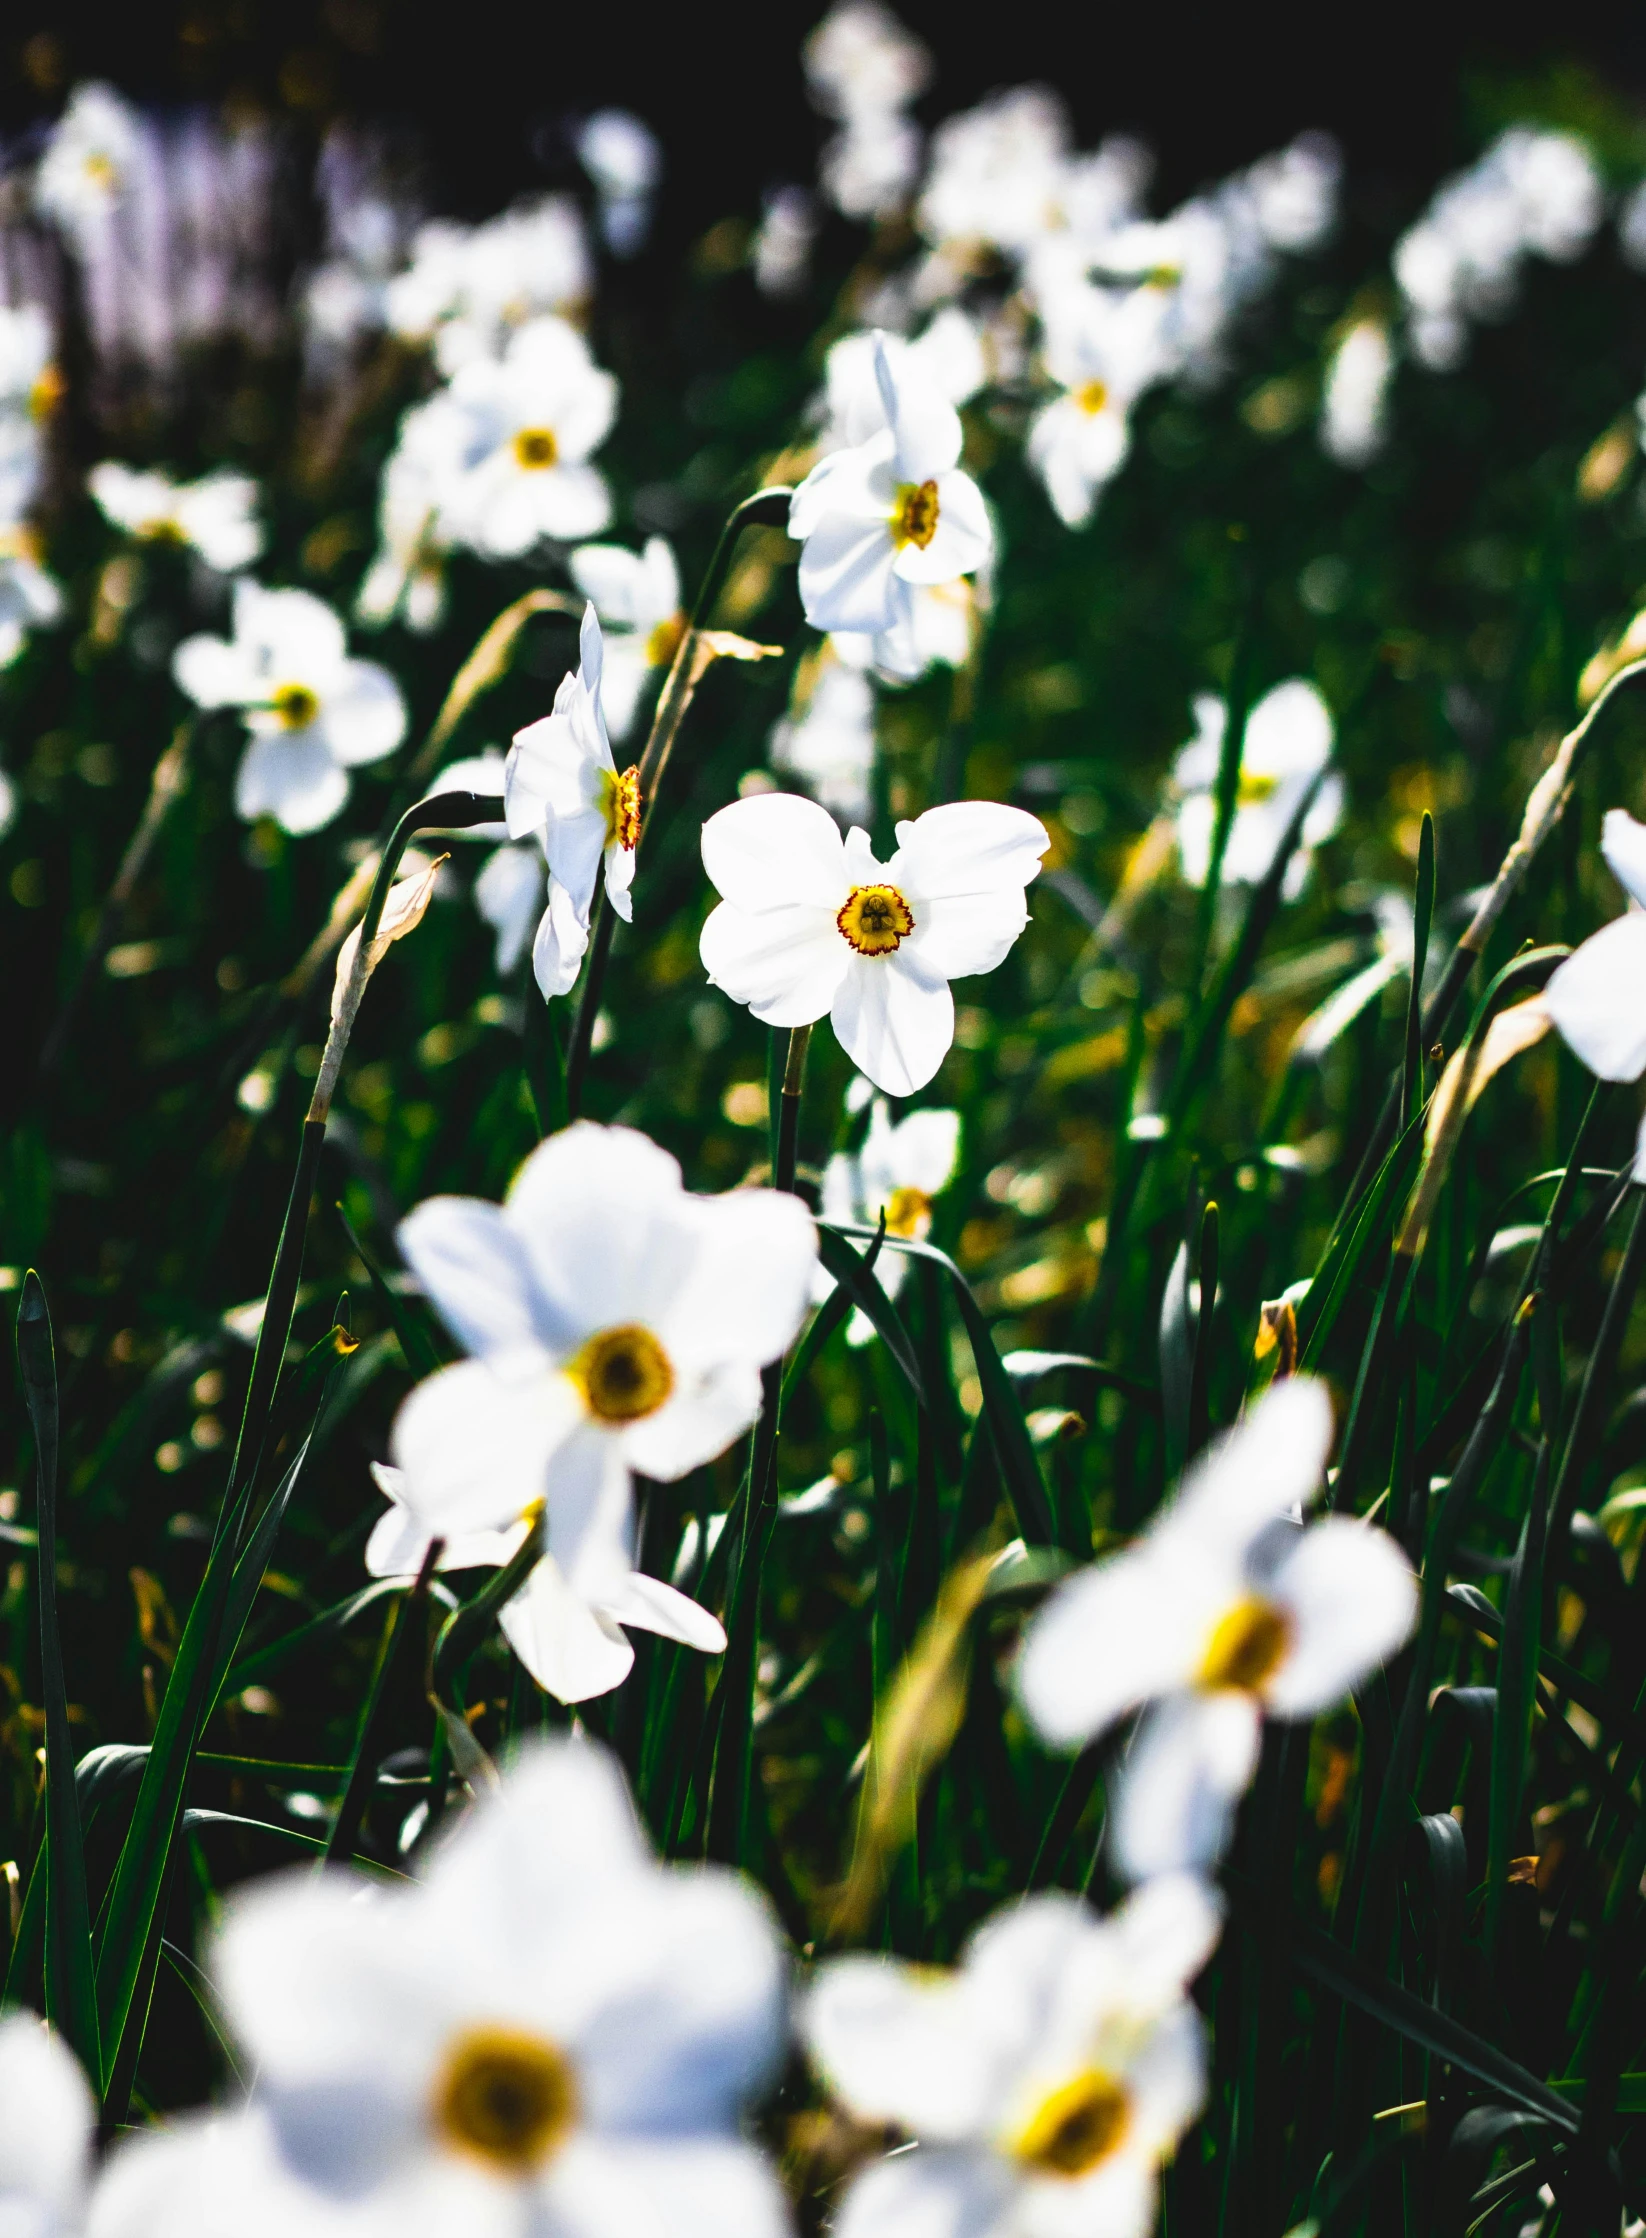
point(788, 1110)
point(588, 1003)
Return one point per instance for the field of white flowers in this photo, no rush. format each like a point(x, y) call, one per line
point(822, 1186)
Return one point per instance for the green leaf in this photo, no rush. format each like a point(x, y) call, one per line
point(417, 1345)
point(1351, 1244)
point(544, 1064)
point(852, 1275)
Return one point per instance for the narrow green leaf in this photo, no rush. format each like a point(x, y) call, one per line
point(1352, 1243)
point(1411, 1096)
point(544, 1064)
point(851, 1274)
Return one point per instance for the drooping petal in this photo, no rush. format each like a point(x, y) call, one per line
point(591, 1523)
point(574, 844)
point(1191, 1762)
point(573, 1651)
point(475, 1449)
point(922, 1152)
point(939, 2191)
point(1118, 2198)
point(470, 1262)
point(785, 964)
point(1349, 1592)
point(399, 1543)
point(776, 851)
point(847, 574)
point(365, 718)
point(619, 861)
point(1167, 1930)
point(1623, 843)
point(560, 945)
point(1594, 999)
point(292, 778)
point(1110, 1637)
point(649, 1605)
point(893, 1020)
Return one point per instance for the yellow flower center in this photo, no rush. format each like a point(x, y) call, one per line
point(1079, 2125)
point(623, 808)
point(164, 530)
point(664, 641)
point(506, 2097)
point(535, 448)
point(99, 168)
point(1092, 396)
point(1255, 787)
point(1247, 1646)
point(46, 393)
point(875, 919)
point(914, 518)
point(624, 1374)
point(295, 705)
point(908, 1213)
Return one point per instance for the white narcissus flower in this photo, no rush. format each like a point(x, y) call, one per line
point(616, 1323)
point(890, 512)
point(562, 787)
point(88, 161)
point(948, 356)
point(215, 2175)
point(898, 1172)
point(551, 2033)
point(637, 596)
point(1594, 997)
point(1224, 1610)
point(1043, 2083)
point(415, 511)
point(312, 711)
point(529, 423)
point(567, 1630)
point(216, 515)
point(1288, 742)
point(809, 923)
point(46, 2119)
point(1354, 406)
point(1103, 348)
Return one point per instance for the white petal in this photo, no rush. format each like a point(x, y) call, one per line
point(745, 1295)
point(970, 847)
point(1168, 2080)
point(215, 673)
point(1117, 2200)
point(922, 1151)
point(1594, 999)
point(1110, 1637)
point(925, 425)
point(573, 1651)
point(1352, 1599)
point(472, 1264)
point(46, 2117)
point(475, 1450)
point(894, 1022)
point(846, 574)
point(786, 964)
point(299, 636)
point(644, 2187)
point(574, 844)
point(960, 542)
point(1167, 1930)
point(509, 894)
point(1623, 843)
point(648, 1605)
point(220, 2176)
point(709, 1408)
point(591, 1520)
point(574, 500)
point(562, 942)
point(613, 579)
point(933, 2192)
point(291, 778)
point(974, 933)
point(624, 679)
point(1271, 1463)
point(399, 1543)
point(897, 2045)
point(366, 717)
point(605, 1224)
point(776, 851)
point(1191, 1762)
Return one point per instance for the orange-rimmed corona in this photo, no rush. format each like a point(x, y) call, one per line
point(875, 920)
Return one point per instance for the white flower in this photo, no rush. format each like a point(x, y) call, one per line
point(1225, 1609)
point(868, 167)
point(623, 158)
point(313, 713)
point(467, 289)
point(810, 923)
point(782, 249)
point(1043, 2083)
point(567, 1630)
point(528, 425)
point(29, 382)
point(888, 513)
point(216, 515)
point(997, 173)
point(552, 2033)
point(829, 742)
point(898, 1171)
point(1354, 409)
point(88, 161)
point(1103, 348)
point(213, 2176)
point(935, 628)
point(948, 357)
point(1288, 740)
point(415, 505)
point(860, 60)
point(1294, 192)
point(616, 1324)
point(637, 596)
point(1594, 997)
point(46, 2118)
point(562, 787)
point(30, 599)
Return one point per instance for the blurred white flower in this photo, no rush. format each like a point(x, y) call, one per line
point(828, 741)
point(1294, 192)
point(1354, 408)
point(216, 516)
point(869, 166)
point(550, 2033)
point(528, 425)
point(89, 158)
point(637, 597)
point(214, 2175)
point(935, 628)
point(47, 2115)
point(1103, 348)
point(562, 787)
point(1044, 2082)
point(997, 172)
point(892, 511)
point(616, 1324)
point(948, 358)
point(29, 381)
point(623, 158)
point(419, 490)
point(468, 288)
point(860, 59)
point(781, 255)
point(809, 923)
point(1594, 996)
point(1226, 1609)
point(898, 1171)
point(30, 599)
point(1288, 741)
point(313, 713)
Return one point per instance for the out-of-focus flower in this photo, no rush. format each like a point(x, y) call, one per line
point(1103, 348)
point(947, 358)
point(1044, 2082)
point(863, 68)
point(1294, 192)
point(313, 713)
point(509, 889)
point(1288, 742)
point(30, 599)
point(29, 390)
point(809, 923)
point(637, 597)
point(419, 491)
point(562, 787)
point(897, 1172)
point(623, 158)
point(1354, 408)
point(616, 1323)
point(1594, 997)
point(215, 2175)
point(89, 159)
point(827, 741)
point(892, 511)
point(467, 289)
point(217, 515)
point(935, 629)
point(781, 255)
point(1226, 1609)
point(46, 2118)
point(528, 425)
point(997, 173)
point(551, 2032)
